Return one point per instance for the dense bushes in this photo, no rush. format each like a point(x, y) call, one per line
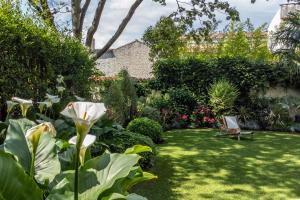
point(32, 56)
point(146, 127)
point(117, 140)
point(197, 75)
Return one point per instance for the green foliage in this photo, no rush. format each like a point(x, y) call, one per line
point(149, 112)
point(242, 40)
point(107, 169)
point(46, 163)
point(182, 99)
point(32, 56)
point(164, 39)
point(222, 97)
point(117, 141)
point(235, 43)
point(197, 75)
point(289, 35)
point(158, 100)
point(14, 182)
point(148, 127)
point(121, 98)
point(116, 172)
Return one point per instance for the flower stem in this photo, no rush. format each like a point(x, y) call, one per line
point(76, 172)
point(31, 174)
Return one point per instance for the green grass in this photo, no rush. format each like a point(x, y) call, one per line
point(194, 164)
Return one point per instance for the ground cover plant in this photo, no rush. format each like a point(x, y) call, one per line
point(203, 166)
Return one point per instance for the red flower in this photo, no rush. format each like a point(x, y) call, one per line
point(206, 119)
point(184, 117)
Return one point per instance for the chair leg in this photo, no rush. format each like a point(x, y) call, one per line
point(238, 137)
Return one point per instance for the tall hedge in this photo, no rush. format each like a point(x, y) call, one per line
point(198, 74)
point(31, 57)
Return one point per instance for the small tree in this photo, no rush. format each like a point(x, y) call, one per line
point(289, 34)
point(164, 39)
point(235, 43)
point(222, 96)
point(121, 98)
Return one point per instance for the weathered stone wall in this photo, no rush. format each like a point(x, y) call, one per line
point(133, 57)
point(278, 92)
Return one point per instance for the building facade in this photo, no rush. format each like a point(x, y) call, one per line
point(134, 57)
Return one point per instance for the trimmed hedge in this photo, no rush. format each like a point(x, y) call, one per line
point(32, 56)
point(147, 127)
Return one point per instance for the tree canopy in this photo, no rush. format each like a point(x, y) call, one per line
point(188, 13)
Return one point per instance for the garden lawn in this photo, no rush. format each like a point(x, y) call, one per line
point(194, 164)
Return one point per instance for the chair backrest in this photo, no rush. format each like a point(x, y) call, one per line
point(231, 122)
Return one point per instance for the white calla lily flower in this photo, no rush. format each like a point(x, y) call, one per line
point(87, 142)
point(38, 129)
point(25, 104)
point(33, 135)
point(10, 105)
point(52, 98)
point(84, 115)
point(60, 89)
point(43, 105)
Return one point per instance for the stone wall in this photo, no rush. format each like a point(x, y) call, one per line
point(278, 92)
point(133, 57)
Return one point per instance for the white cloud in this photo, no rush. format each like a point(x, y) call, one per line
point(149, 12)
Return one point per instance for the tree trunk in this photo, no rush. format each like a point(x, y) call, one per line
point(120, 29)
point(93, 28)
point(76, 18)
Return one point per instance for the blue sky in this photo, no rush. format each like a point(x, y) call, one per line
point(149, 12)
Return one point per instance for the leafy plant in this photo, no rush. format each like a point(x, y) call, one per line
point(146, 127)
point(34, 56)
point(38, 170)
point(121, 98)
point(222, 96)
point(182, 99)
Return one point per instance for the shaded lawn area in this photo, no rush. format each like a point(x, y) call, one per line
point(194, 164)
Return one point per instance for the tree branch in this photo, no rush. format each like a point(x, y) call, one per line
point(76, 18)
point(120, 29)
point(43, 11)
point(83, 12)
point(93, 28)
point(47, 15)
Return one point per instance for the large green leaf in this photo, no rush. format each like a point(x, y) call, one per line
point(15, 184)
point(122, 185)
point(138, 149)
point(15, 142)
point(95, 177)
point(116, 196)
point(46, 164)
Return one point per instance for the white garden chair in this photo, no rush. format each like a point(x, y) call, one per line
point(232, 127)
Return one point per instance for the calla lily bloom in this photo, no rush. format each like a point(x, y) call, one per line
point(60, 89)
point(52, 98)
point(33, 135)
point(10, 105)
point(43, 105)
point(84, 115)
point(87, 142)
point(25, 104)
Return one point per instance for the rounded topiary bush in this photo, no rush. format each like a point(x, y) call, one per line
point(148, 127)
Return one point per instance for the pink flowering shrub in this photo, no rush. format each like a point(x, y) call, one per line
point(202, 116)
